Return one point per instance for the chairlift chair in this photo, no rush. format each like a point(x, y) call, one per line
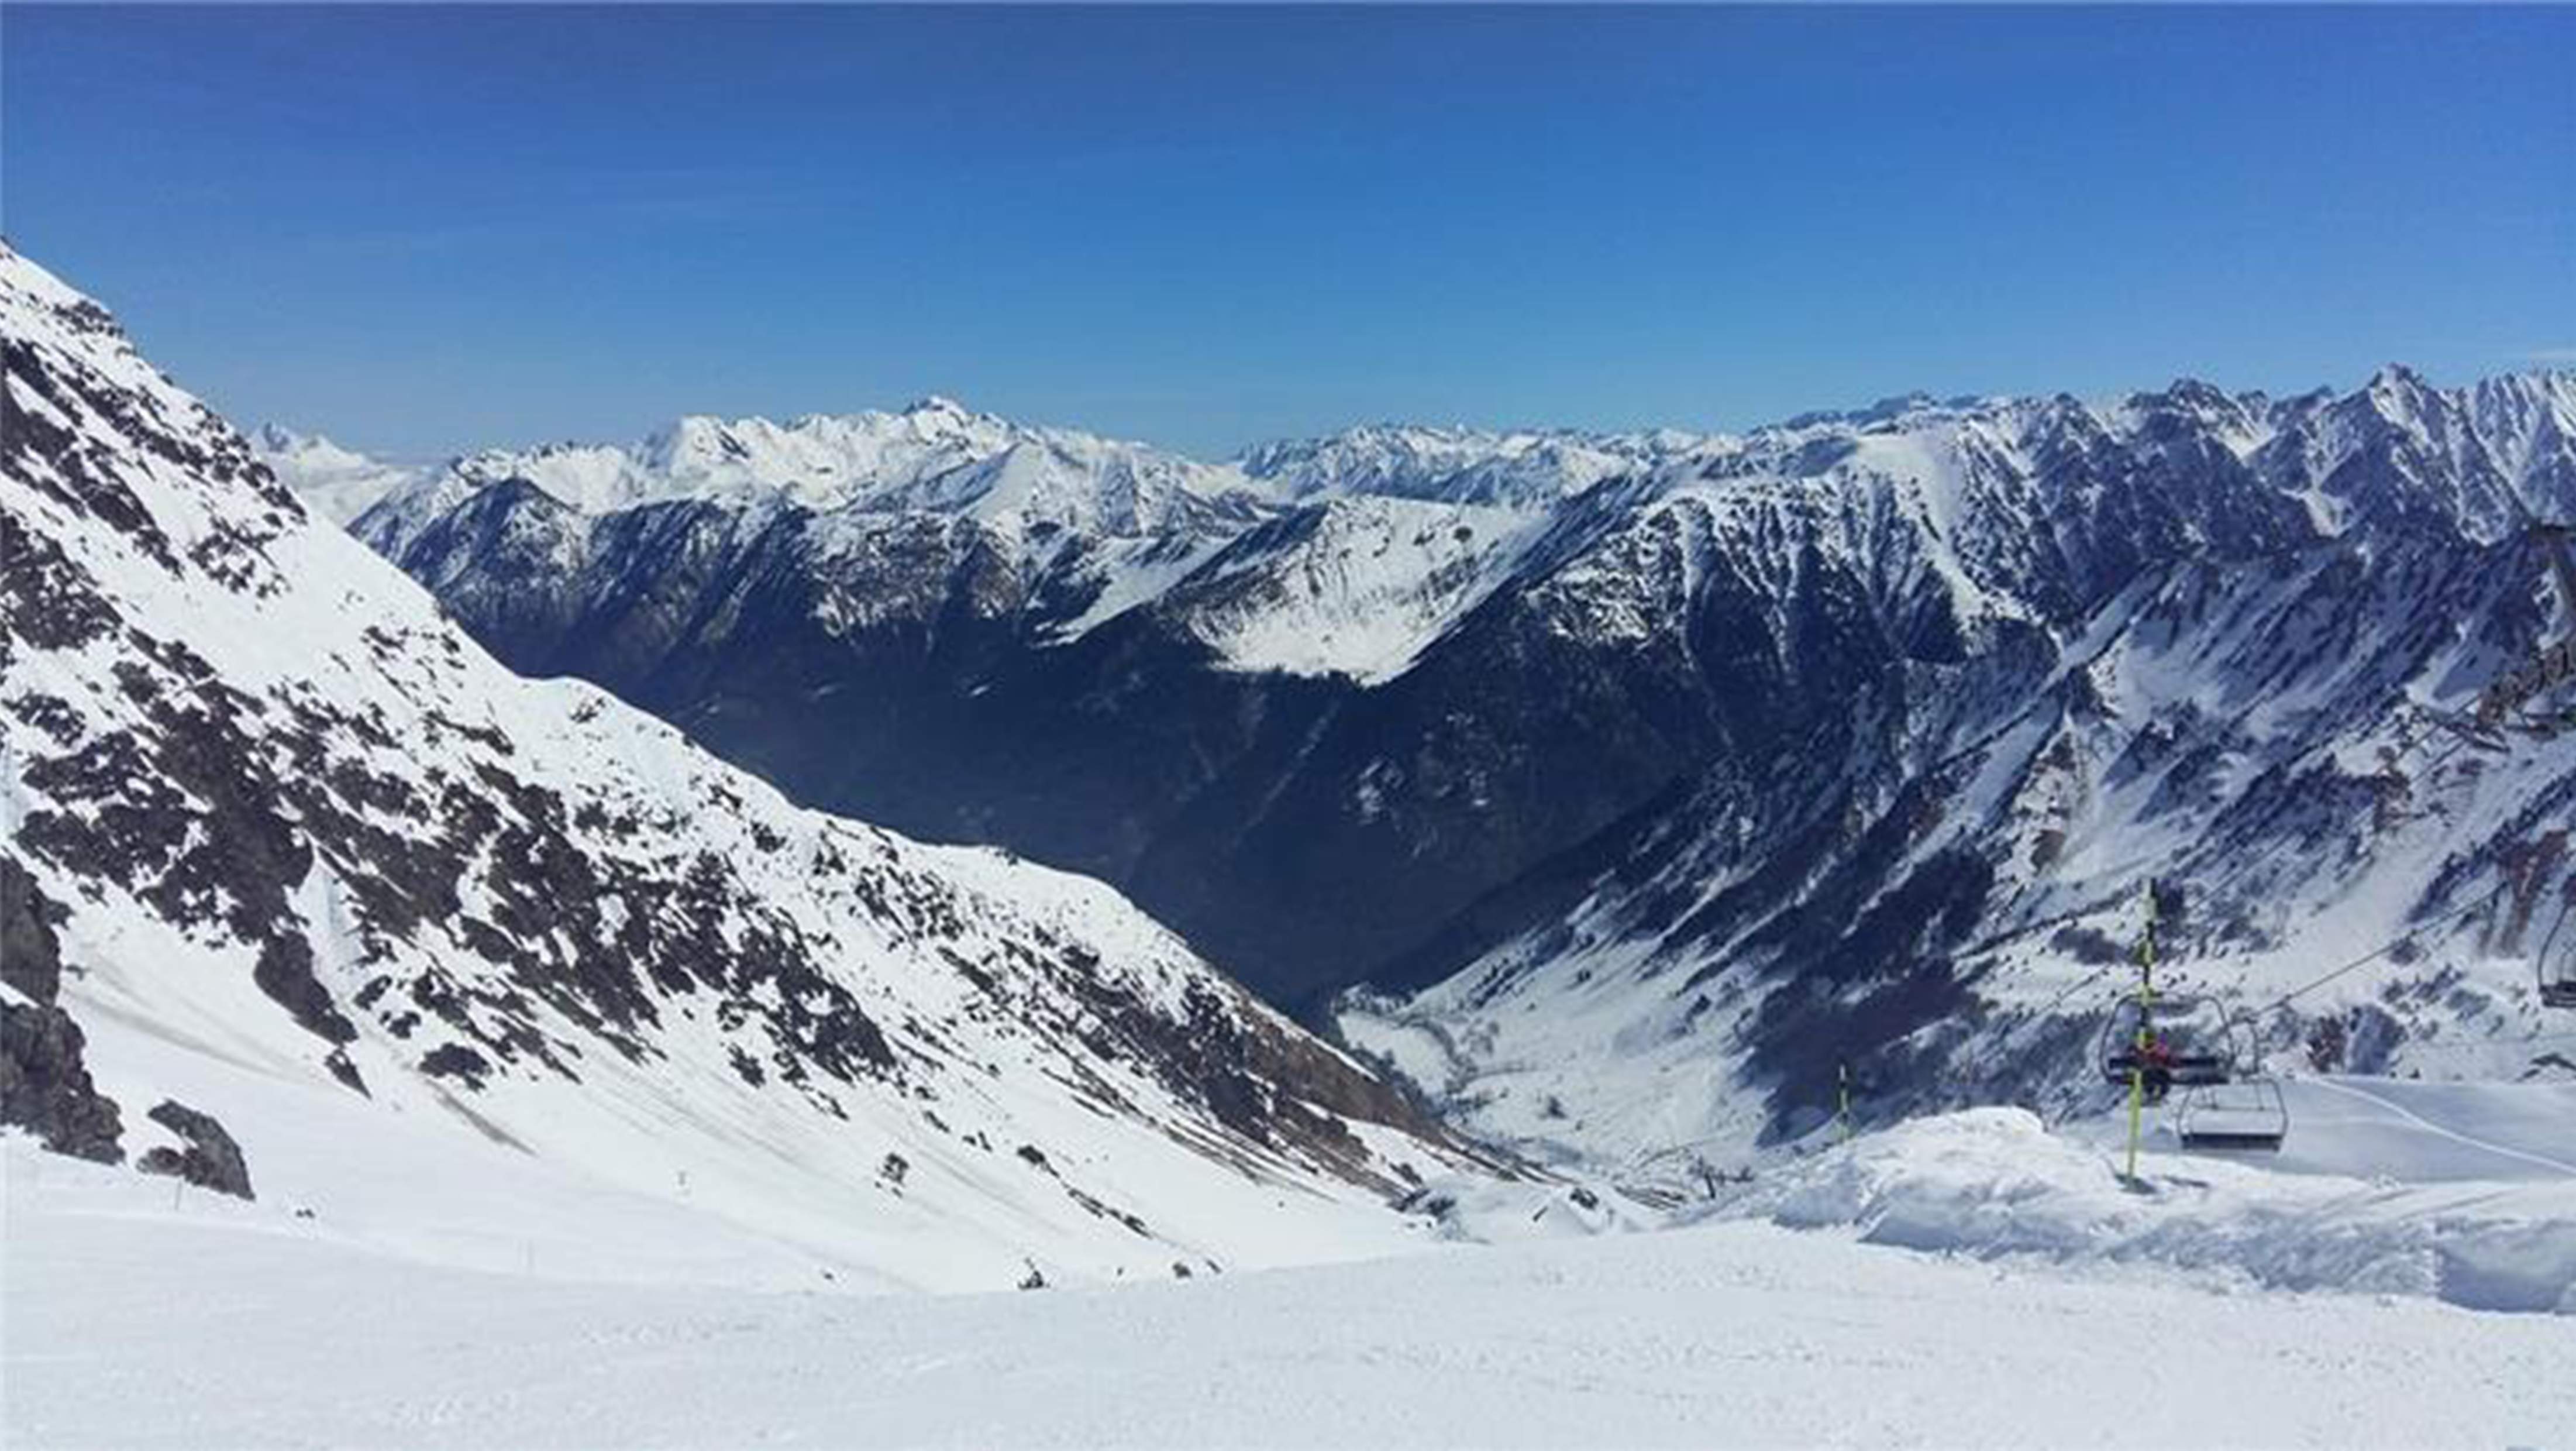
point(2555, 966)
point(2558, 981)
point(2247, 1116)
point(2201, 1037)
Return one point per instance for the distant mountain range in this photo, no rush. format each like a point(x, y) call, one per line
point(1638, 779)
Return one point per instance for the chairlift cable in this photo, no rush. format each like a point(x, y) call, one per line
point(2384, 949)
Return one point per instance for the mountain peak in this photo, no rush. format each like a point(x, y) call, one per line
point(2399, 395)
point(335, 482)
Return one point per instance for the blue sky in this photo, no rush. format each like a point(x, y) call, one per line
point(425, 228)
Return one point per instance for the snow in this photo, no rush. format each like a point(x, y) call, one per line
point(991, 977)
point(335, 482)
point(136, 1323)
point(1521, 469)
point(674, 1173)
point(1994, 1182)
point(934, 455)
point(664, 1253)
point(1352, 587)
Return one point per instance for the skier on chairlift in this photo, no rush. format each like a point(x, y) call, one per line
point(2155, 1065)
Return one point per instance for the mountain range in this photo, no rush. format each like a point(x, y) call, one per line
point(1625, 788)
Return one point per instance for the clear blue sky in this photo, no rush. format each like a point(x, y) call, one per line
point(419, 229)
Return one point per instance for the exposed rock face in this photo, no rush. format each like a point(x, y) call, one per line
point(211, 1159)
point(31, 955)
point(44, 1086)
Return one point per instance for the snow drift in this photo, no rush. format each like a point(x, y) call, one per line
point(1993, 1182)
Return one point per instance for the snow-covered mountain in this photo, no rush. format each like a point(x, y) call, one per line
point(1996, 665)
point(990, 584)
point(1426, 662)
point(1525, 468)
point(335, 482)
point(1564, 728)
point(935, 456)
point(285, 852)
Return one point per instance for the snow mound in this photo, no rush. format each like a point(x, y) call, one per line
point(1994, 1182)
point(1473, 1209)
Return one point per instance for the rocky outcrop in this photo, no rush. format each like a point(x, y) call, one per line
point(210, 1159)
point(45, 1088)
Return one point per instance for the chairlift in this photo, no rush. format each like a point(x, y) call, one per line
point(2558, 979)
point(2554, 966)
point(2203, 1045)
point(2250, 1115)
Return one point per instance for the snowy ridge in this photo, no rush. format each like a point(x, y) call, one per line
point(1355, 587)
point(314, 859)
point(1527, 469)
point(935, 455)
point(337, 483)
point(2009, 500)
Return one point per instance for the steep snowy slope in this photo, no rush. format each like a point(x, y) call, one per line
point(303, 854)
point(1354, 586)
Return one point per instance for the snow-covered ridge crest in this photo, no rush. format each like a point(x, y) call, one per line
point(311, 856)
point(2011, 508)
point(1521, 468)
point(935, 454)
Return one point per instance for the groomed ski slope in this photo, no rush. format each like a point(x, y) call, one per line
point(2295, 1301)
point(2383, 1202)
point(133, 1325)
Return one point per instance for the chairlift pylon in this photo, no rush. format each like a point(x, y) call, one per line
point(2229, 1102)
